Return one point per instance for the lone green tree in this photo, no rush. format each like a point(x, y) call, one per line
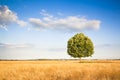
point(80, 46)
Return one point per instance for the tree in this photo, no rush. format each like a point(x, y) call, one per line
point(80, 46)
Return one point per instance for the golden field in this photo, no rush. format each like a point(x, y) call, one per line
point(60, 70)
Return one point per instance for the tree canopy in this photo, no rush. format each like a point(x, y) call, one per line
point(80, 46)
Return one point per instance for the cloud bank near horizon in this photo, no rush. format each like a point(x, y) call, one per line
point(10, 45)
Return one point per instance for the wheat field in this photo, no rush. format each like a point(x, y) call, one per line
point(60, 70)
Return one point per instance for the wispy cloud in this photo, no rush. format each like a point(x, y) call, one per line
point(45, 13)
point(102, 45)
point(107, 45)
point(68, 23)
point(8, 17)
point(57, 49)
point(8, 45)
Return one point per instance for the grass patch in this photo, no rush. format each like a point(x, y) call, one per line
point(60, 70)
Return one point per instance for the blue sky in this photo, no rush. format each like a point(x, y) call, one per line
point(37, 29)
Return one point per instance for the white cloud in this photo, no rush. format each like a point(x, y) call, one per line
point(45, 13)
point(8, 45)
point(3, 26)
point(48, 21)
point(69, 23)
point(21, 23)
point(37, 23)
point(8, 17)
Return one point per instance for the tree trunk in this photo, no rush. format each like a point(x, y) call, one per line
point(80, 59)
